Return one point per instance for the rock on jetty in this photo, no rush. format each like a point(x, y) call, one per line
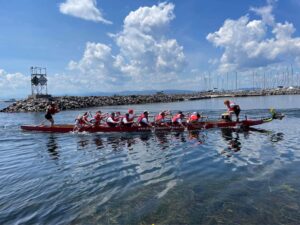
point(73, 102)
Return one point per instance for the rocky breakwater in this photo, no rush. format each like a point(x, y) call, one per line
point(74, 102)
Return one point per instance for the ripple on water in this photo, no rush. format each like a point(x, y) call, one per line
point(216, 176)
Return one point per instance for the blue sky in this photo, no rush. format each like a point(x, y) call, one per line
point(113, 45)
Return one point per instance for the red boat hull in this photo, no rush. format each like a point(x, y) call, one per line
point(225, 124)
point(65, 128)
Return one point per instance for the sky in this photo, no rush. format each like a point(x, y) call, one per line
point(91, 46)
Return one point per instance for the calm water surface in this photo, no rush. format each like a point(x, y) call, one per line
point(209, 177)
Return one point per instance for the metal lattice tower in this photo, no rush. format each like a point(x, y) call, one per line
point(38, 81)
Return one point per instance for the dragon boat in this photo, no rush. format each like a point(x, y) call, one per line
point(65, 128)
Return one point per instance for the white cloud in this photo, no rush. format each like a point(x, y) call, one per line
point(13, 84)
point(255, 43)
point(141, 56)
point(147, 19)
point(265, 13)
point(145, 51)
point(96, 67)
point(84, 9)
point(146, 57)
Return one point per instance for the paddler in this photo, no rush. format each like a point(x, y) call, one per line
point(98, 117)
point(194, 117)
point(177, 119)
point(112, 120)
point(143, 120)
point(131, 115)
point(233, 108)
point(85, 118)
point(81, 121)
point(160, 119)
point(126, 121)
point(52, 108)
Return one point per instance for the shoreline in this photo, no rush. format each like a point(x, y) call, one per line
point(77, 102)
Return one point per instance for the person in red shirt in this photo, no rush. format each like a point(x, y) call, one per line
point(131, 115)
point(126, 121)
point(194, 117)
point(143, 120)
point(98, 117)
point(50, 111)
point(233, 108)
point(81, 121)
point(112, 120)
point(177, 119)
point(160, 119)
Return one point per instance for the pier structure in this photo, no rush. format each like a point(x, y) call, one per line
point(39, 81)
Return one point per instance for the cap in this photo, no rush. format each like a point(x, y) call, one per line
point(146, 112)
point(194, 113)
point(130, 110)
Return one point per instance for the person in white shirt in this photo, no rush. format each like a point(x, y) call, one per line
point(112, 121)
point(126, 122)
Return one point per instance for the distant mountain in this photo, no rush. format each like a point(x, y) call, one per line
point(144, 92)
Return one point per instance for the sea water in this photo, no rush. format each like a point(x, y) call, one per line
point(209, 177)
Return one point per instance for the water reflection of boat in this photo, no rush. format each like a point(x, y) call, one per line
point(162, 137)
point(197, 135)
point(98, 142)
point(52, 147)
point(232, 138)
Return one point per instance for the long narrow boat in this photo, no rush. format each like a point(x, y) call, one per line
point(64, 128)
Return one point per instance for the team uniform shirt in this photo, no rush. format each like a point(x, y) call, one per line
point(111, 120)
point(85, 118)
point(125, 121)
point(232, 106)
point(51, 110)
point(97, 119)
point(193, 118)
point(131, 117)
point(80, 122)
point(144, 120)
point(177, 119)
point(160, 119)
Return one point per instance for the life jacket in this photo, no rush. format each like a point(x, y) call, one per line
point(193, 118)
point(141, 117)
point(52, 110)
point(176, 118)
point(232, 106)
point(130, 118)
point(98, 117)
point(159, 117)
point(114, 119)
point(80, 120)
